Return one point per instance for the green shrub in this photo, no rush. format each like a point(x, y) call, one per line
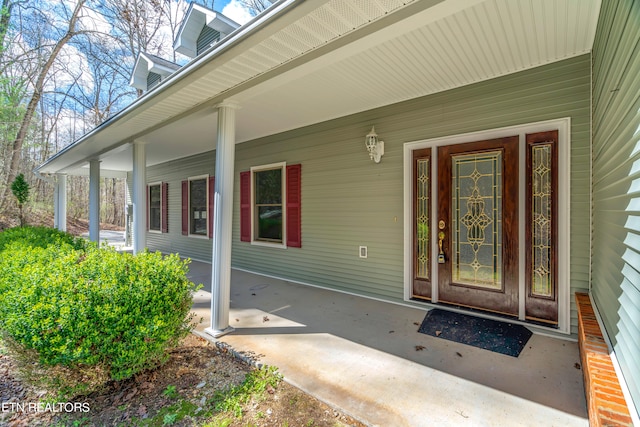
point(40, 237)
point(92, 310)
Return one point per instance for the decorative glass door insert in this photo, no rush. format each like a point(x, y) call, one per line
point(541, 299)
point(422, 285)
point(476, 223)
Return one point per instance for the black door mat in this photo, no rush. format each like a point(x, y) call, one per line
point(501, 337)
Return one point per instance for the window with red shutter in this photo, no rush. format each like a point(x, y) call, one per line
point(155, 207)
point(197, 206)
point(262, 193)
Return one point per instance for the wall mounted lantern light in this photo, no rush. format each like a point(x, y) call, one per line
point(374, 146)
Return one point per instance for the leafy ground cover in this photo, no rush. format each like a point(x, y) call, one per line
point(200, 385)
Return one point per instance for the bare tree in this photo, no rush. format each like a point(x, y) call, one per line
point(5, 18)
point(255, 7)
point(38, 86)
point(66, 69)
point(174, 13)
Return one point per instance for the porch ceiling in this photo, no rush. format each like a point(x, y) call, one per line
point(321, 59)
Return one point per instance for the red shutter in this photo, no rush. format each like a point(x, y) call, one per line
point(245, 206)
point(164, 206)
point(294, 206)
point(147, 210)
point(185, 208)
point(212, 193)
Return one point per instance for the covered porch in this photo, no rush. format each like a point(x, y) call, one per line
point(366, 358)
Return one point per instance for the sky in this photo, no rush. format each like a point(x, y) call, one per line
point(232, 9)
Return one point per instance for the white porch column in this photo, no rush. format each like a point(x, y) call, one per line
point(56, 202)
point(139, 198)
point(94, 200)
point(222, 221)
point(60, 203)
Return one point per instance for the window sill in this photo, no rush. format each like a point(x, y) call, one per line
point(269, 244)
point(199, 236)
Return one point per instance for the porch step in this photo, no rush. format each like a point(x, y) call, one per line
point(605, 400)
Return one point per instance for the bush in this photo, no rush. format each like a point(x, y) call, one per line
point(84, 310)
point(40, 237)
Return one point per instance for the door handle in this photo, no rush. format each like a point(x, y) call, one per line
point(441, 225)
point(441, 259)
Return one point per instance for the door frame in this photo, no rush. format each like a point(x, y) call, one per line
point(563, 126)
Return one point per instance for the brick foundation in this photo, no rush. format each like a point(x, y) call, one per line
point(605, 401)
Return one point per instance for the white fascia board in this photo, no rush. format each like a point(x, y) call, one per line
point(221, 23)
point(187, 37)
point(184, 46)
point(160, 69)
point(139, 74)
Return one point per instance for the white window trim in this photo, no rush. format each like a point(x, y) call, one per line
point(151, 184)
point(254, 241)
point(563, 125)
point(195, 178)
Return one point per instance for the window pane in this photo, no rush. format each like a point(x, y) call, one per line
point(270, 222)
point(269, 187)
point(268, 205)
point(477, 219)
point(154, 207)
point(422, 218)
point(198, 206)
point(541, 238)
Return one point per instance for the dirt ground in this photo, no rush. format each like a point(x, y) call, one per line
point(75, 226)
point(187, 383)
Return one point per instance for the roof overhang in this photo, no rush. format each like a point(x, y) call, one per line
point(195, 19)
point(146, 64)
point(305, 62)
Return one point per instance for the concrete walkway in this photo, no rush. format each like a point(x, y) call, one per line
point(367, 359)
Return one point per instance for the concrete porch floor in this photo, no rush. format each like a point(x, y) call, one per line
point(362, 357)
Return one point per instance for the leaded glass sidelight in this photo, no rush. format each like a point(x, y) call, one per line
point(422, 218)
point(541, 214)
point(477, 219)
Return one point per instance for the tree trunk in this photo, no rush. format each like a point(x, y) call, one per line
point(37, 93)
point(5, 17)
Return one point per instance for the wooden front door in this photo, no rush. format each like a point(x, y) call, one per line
point(469, 219)
point(477, 231)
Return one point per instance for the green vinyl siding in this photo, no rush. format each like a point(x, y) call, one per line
point(616, 182)
point(349, 201)
point(173, 173)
